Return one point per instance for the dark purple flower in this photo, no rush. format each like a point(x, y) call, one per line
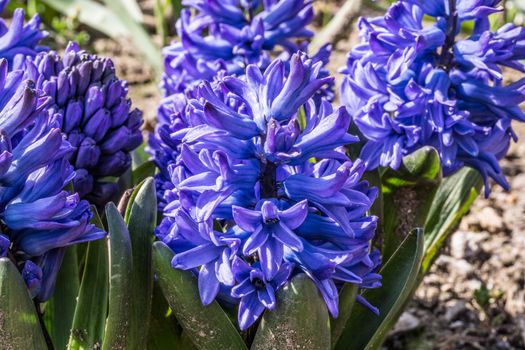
point(91, 107)
point(258, 185)
point(39, 217)
point(409, 85)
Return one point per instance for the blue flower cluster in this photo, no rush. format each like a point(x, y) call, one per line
point(229, 35)
point(19, 40)
point(408, 85)
point(91, 107)
point(261, 189)
point(62, 121)
point(39, 218)
point(220, 40)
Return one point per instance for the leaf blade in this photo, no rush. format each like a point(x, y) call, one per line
point(87, 330)
point(286, 323)
point(365, 330)
point(118, 329)
point(19, 325)
point(141, 218)
point(208, 327)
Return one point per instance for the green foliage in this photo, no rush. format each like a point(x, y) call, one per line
point(141, 219)
point(208, 327)
point(19, 324)
point(299, 321)
point(407, 195)
point(87, 329)
point(452, 201)
point(60, 309)
point(116, 19)
point(364, 330)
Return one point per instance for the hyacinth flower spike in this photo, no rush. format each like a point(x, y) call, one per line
point(261, 161)
point(34, 170)
point(435, 88)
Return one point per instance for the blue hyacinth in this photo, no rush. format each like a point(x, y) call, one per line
point(39, 218)
point(247, 208)
point(222, 39)
point(19, 40)
point(229, 35)
point(411, 84)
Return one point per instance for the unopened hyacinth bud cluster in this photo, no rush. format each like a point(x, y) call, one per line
point(38, 217)
point(19, 40)
point(262, 190)
point(92, 109)
point(416, 80)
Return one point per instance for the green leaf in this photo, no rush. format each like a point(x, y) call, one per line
point(452, 201)
point(19, 325)
point(207, 326)
point(139, 156)
point(408, 194)
point(117, 19)
point(60, 309)
point(164, 332)
point(92, 14)
point(136, 32)
point(141, 217)
point(118, 327)
point(143, 171)
point(92, 305)
point(347, 297)
point(299, 321)
point(365, 330)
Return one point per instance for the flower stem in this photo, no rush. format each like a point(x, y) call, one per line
point(452, 22)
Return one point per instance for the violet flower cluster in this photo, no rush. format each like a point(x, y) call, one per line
point(411, 84)
point(261, 189)
point(91, 107)
point(62, 122)
point(19, 40)
point(221, 39)
point(229, 35)
point(39, 218)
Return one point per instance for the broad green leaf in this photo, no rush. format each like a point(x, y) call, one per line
point(452, 201)
point(60, 309)
point(347, 297)
point(139, 156)
point(207, 326)
point(117, 20)
point(143, 171)
point(408, 194)
point(365, 330)
point(164, 332)
point(299, 321)
point(92, 14)
point(136, 32)
point(19, 324)
point(118, 327)
point(134, 10)
point(89, 320)
point(141, 218)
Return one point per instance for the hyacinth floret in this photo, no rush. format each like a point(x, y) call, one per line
point(19, 40)
point(411, 83)
point(260, 189)
point(91, 106)
point(39, 217)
